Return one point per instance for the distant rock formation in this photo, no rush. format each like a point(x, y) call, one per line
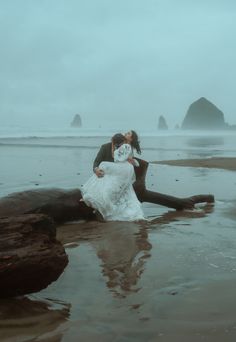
point(162, 123)
point(203, 114)
point(176, 126)
point(77, 122)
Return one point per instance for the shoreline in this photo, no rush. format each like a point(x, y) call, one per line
point(225, 163)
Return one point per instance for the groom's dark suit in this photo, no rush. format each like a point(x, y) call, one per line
point(144, 195)
point(104, 154)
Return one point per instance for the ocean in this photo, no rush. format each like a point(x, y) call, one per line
point(33, 158)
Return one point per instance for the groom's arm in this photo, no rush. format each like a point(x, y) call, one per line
point(99, 158)
point(133, 162)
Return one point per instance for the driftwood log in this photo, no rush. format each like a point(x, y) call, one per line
point(177, 203)
point(61, 205)
point(64, 205)
point(30, 256)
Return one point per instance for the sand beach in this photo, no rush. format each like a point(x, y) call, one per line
point(211, 163)
point(169, 279)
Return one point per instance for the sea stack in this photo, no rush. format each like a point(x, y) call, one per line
point(77, 122)
point(162, 123)
point(203, 114)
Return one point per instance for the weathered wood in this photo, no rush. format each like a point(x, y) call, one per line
point(30, 256)
point(61, 205)
point(177, 203)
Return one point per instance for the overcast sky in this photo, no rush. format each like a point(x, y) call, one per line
point(114, 61)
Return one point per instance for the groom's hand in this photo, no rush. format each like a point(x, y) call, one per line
point(99, 172)
point(130, 160)
point(133, 162)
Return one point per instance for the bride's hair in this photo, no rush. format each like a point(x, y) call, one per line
point(118, 139)
point(135, 143)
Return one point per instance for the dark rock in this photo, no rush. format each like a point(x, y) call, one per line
point(162, 123)
point(203, 114)
point(30, 256)
point(77, 122)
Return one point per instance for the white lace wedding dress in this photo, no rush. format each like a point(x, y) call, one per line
point(113, 195)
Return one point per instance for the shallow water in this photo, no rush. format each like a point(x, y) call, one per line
point(169, 279)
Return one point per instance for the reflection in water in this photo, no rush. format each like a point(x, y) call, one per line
point(22, 319)
point(123, 249)
point(171, 216)
point(201, 172)
point(208, 147)
point(205, 141)
point(199, 154)
point(230, 212)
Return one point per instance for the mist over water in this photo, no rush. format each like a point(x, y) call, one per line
point(118, 64)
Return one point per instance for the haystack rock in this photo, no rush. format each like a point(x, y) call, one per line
point(162, 123)
point(77, 122)
point(203, 114)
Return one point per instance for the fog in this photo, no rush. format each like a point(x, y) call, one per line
point(115, 61)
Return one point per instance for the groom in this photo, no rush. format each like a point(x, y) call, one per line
point(106, 153)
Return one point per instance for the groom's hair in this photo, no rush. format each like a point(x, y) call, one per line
point(118, 139)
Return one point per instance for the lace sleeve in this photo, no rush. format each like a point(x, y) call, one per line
point(122, 153)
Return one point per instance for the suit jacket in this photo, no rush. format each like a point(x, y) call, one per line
point(104, 154)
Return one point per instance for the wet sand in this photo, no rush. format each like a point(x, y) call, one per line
point(170, 279)
point(218, 163)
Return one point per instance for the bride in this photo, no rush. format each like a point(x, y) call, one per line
point(113, 195)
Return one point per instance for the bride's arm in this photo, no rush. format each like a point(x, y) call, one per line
point(123, 153)
point(99, 158)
